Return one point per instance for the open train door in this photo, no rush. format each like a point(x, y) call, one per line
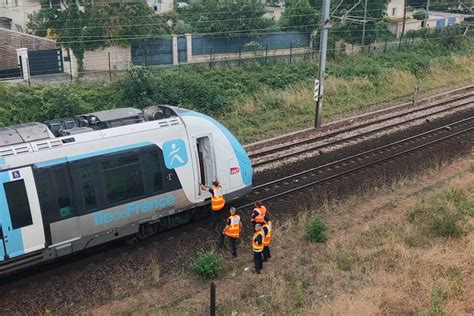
point(206, 161)
point(20, 214)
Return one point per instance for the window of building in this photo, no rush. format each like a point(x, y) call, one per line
point(86, 176)
point(394, 11)
point(123, 178)
point(18, 204)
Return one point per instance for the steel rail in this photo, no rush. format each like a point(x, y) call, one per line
point(350, 138)
point(364, 166)
point(368, 123)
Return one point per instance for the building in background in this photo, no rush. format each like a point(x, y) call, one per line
point(14, 13)
point(436, 19)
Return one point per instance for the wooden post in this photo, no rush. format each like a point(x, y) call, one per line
point(213, 299)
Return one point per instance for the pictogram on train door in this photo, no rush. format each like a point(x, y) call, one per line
point(20, 214)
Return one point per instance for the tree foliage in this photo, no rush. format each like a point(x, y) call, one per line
point(226, 17)
point(93, 25)
point(300, 16)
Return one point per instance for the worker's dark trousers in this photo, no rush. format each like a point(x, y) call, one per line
point(258, 261)
point(266, 253)
point(233, 243)
point(214, 218)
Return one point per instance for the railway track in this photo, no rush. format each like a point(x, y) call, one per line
point(304, 146)
point(272, 191)
point(361, 161)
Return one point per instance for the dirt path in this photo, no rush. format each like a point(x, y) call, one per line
point(375, 261)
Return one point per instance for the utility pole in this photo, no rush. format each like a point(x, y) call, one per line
point(425, 20)
point(404, 20)
point(363, 25)
point(323, 44)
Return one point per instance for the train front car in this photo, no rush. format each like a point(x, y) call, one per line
point(84, 181)
point(216, 154)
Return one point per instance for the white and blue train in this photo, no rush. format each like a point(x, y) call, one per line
point(74, 183)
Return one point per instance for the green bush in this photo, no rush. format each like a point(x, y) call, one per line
point(438, 298)
point(315, 230)
point(207, 264)
point(345, 260)
point(214, 90)
point(445, 215)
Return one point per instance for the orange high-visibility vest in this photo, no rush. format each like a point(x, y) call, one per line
point(217, 199)
point(268, 235)
point(233, 230)
point(256, 247)
point(261, 211)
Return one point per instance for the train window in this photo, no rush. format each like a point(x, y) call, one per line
point(123, 178)
point(156, 172)
point(18, 204)
point(62, 194)
point(86, 176)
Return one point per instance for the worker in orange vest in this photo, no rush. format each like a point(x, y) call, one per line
point(258, 214)
point(257, 246)
point(232, 230)
point(217, 200)
point(267, 230)
point(217, 195)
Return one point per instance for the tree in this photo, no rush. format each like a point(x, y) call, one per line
point(300, 16)
point(352, 13)
point(93, 25)
point(224, 17)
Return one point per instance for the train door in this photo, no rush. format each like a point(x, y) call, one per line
point(20, 214)
point(206, 161)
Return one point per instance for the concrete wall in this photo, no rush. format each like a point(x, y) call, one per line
point(98, 60)
point(163, 6)
point(398, 5)
point(11, 40)
point(18, 11)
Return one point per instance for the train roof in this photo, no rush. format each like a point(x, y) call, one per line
point(35, 136)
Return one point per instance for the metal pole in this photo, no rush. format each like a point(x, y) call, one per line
point(210, 57)
point(70, 62)
point(291, 51)
point(404, 20)
point(213, 299)
point(266, 53)
point(363, 25)
point(110, 70)
point(427, 14)
point(323, 44)
point(240, 55)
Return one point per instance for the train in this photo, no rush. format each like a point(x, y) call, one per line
point(70, 184)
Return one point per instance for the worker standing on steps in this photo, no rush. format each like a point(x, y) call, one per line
point(258, 214)
point(232, 231)
point(257, 246)
point(217, 200)
point(267, 231)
